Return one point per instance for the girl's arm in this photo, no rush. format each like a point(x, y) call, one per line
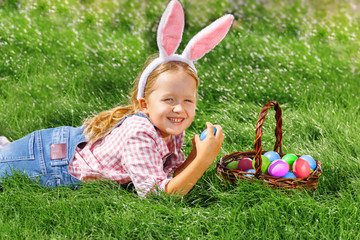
point(199, 160)
point(188, 160)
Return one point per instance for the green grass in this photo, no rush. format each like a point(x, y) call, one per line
point(64, 60)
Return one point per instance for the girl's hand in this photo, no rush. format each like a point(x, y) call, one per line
point(209, 148)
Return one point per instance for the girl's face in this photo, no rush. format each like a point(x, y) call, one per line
point(171, 106)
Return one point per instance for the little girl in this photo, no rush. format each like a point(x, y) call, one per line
point(139, 143)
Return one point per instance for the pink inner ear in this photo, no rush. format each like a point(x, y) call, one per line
point(209, 39)
point(172, 31)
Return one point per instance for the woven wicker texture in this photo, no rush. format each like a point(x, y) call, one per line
point(310, 182)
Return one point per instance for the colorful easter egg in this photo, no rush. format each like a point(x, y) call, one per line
point(250, 171)
point(289, 175)
point(245, 164)
point(204, 133)
point(289, 158)
point(301, 168)
point(232, 165)
point(278, 168)
point(272, 156)
point(265, 164)
point(310, 160)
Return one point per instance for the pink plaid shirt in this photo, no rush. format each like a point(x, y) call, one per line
point(132, 152)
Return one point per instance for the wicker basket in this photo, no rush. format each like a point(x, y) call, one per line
point(230, 176)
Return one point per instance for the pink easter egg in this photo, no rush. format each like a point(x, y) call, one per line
point(245, 164)
point(301, 168)
point(278, 168)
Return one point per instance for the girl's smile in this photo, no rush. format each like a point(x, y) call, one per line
point(176, 120)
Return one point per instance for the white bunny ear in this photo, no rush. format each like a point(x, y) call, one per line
point(208, 38)
point(170, 29)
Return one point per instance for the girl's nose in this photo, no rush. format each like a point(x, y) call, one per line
point(178, 108)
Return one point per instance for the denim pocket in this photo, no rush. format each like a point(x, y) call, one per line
point(19, 150)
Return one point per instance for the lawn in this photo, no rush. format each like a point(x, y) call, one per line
point(62, 61)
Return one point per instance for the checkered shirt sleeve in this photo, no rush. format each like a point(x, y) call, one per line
point(133, 152)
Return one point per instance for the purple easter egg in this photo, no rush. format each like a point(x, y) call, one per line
point(245, 164)
point(278, 168)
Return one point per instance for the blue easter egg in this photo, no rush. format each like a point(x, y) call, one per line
point(250, 171)
point(310, 160)
point(272, 156)
point(204, 133)
point(289, 175)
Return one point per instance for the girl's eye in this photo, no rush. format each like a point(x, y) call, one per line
point(188, 100)
point(168, 99)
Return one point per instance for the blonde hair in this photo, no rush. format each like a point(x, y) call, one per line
point(100, 125)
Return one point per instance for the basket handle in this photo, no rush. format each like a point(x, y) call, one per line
point(259, 132)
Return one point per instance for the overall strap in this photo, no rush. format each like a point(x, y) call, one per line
point(139, 114)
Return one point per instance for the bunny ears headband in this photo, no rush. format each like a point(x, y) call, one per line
point(169, 36)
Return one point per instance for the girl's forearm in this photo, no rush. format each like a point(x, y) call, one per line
point(187, 176)
point(189, 159)
point(199, 159)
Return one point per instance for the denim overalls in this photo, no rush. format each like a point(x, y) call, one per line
point(45, 154)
